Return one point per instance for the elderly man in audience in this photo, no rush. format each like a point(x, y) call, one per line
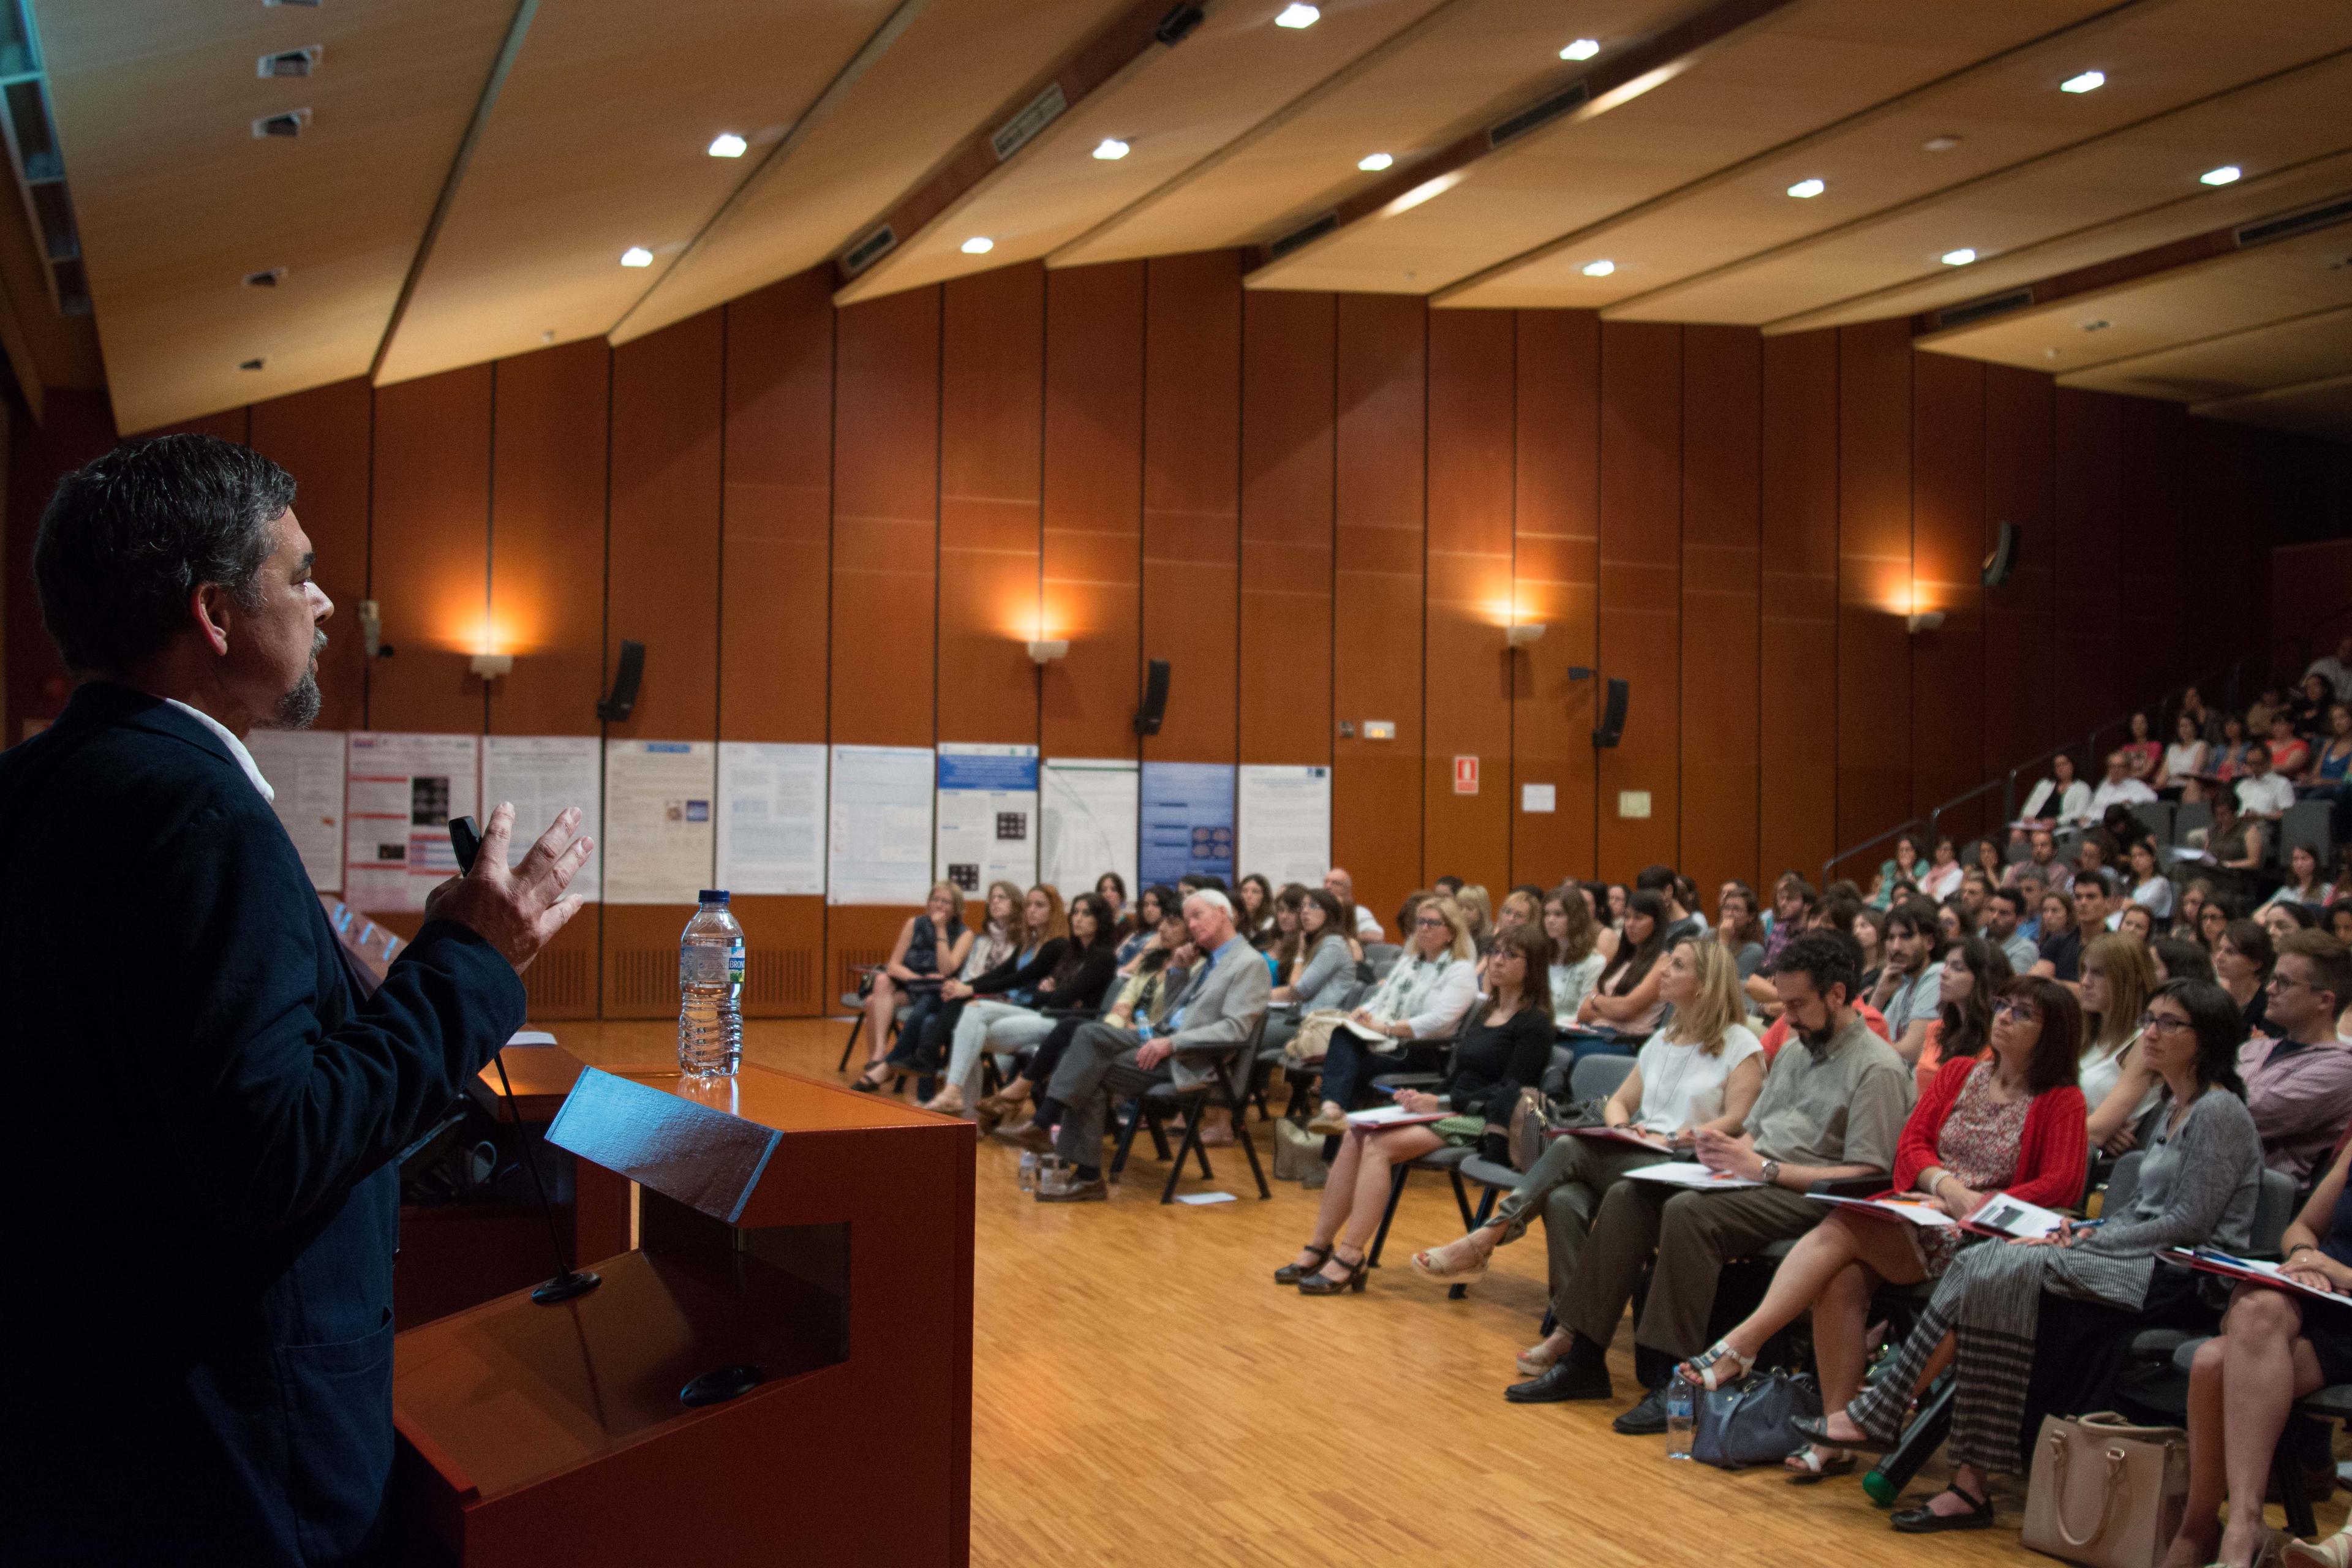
point(2298, 1077)
point(1832, 1110)
point(1220, 1007)
point(1343, 886)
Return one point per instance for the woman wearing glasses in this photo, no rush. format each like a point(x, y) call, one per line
point(2073, 1300)
point(2010, 1124)
point(1425, 997)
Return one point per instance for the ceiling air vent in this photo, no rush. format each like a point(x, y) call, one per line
point(1979, 309)
point(1306, 234)
point(1536, 115)
point(293, 122)
point(2292, 223)
point(291, 62)
point(249, 365)
point(269, 279)
point(310, 4)
point(869, 250)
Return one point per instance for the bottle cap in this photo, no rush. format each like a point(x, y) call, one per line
point(713, 895)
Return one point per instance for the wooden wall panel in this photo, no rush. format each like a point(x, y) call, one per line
point(1381, 435)
point(1467, 667)
point(1287, 407)
point(2157, 593)
point(429, 550)
point(1191, 503)
point(885, 559)
point(663, 591)
point(1093, 529)
point(547, 539)
point(79, 426)
point(1722, 448)
point(1873, 668)
point(2020, 615)
point(775, 587)
point(992, 428)
point(1948, 665)
point(1555, 562)
point(1640, 587)
point(1798, 718)
point(2089, 671)
point(323, 438)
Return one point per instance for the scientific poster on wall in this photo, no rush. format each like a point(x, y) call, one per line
point(1187, 821)
point(542, 774)
point(985, 824)
point(657, 831)
point(1086, 822)
point(878, 846)
point(771, 818)
point(400, 792)
point(306, 768)
point(1286, 823)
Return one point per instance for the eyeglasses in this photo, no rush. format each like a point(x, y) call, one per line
point(2279, 982)
point(2162, 1024)
point(1431, 922)
point(2017, 1012)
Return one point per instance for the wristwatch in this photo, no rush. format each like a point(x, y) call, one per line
point(1771, 1173)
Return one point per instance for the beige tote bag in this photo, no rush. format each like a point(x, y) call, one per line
point(2105, 1493)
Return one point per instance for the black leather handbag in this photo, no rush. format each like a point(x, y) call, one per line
point(1747, 1422)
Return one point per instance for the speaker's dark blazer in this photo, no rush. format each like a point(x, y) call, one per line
point(198, 1121)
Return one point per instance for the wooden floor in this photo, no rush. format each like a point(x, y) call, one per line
point(1144, 1394)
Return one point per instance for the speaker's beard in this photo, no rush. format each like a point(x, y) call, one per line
point(298, 709)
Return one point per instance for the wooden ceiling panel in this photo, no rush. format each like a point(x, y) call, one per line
point(2283, 353)
point(599, 142)
point(1180, 107)
point(2001, 113)
point(177, 200)
point(2136, 188)
point(1782, 78)
point(1467, 62)
point(2318, 408)
point(953, 66)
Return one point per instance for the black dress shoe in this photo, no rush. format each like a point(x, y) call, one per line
point(1926, 1520)
point(1646, 1419)
point(1560, 1381)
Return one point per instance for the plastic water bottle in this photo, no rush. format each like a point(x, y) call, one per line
point(1681, 1415)
point(710, 990)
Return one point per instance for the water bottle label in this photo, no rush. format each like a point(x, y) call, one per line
point(735, 963)
point(710, 966)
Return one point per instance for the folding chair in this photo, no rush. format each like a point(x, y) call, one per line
point(1213, 1092)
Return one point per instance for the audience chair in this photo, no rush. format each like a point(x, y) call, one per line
point(2190, 817)
point(1382, 956)
point(2155, 815)
point(2308, 823)
point(1215, 1092)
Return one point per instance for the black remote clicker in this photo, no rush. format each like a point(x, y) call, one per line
point(466, 840)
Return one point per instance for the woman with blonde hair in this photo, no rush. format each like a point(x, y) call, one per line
point(1705, 1068)
point(2118, 1085)
point(1478, 915)
point(931, 946)
point(1425, 997)
point(1011, 987)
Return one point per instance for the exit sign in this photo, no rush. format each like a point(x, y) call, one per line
point(1465, 775)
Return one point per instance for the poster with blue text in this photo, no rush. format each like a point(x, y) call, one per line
point(986, 820)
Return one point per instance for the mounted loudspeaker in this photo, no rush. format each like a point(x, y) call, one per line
point(1155, 699)
point(1613, 716)
point(631, 671)
point(2003, 558)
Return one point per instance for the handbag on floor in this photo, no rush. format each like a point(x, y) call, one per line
point(2104, 1493)
point(1298, 1155)
point(1747, 1422)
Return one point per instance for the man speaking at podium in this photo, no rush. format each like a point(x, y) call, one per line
point(199, 1137)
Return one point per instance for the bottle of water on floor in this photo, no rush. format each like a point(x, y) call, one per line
point(710, 990)
point(1681, 1414)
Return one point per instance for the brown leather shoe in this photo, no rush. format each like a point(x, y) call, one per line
point(994, 1110)
point(1026, 1135)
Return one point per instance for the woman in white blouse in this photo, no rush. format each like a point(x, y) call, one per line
point(2119, 1084)
point(2061, 800)
point(1942, 877)
point(1575, 933)
point(2150, 889)
point(1703, 1069)
point(2176, 775)
point(1426, 997)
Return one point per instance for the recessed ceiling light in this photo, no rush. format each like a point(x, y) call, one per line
point(978, 245)
point(1373, 163)
point(1599, 268)
point(1583, 49)
point(1959, 258)
point(1111, 149)
point(2227, 174)
point(1298, 15)
point(727, 144)
point(1806, 190)
point(636, 256)
point(2089, 81)
point(1940, 144)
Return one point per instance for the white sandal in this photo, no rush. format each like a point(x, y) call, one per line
point(1707, 1370)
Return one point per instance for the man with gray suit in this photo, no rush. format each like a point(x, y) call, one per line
point(1221, 1004)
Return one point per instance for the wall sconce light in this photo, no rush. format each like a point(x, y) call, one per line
point(1923, 621)
point(1524, 635)
point(490, 665)
point(1045, 650)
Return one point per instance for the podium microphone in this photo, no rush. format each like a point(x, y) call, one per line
point(466, 840)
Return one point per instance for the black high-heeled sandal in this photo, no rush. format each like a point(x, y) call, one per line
point(1292, 1273)
point(1926, 1520)
point(1321, 1284)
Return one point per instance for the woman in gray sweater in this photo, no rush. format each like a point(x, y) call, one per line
point(1325, 970)
point(2081, 1292)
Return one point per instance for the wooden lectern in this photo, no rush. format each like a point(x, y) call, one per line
point(819, 1238)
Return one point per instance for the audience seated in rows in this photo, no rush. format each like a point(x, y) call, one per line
point(1626, 1001)
point(1006, 1013)
point(2298, 1075)
point(930, 947)
point(2078, 1296)
point(1576, 959)
point(1322, 972)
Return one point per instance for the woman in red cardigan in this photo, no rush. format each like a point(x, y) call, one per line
point(2012, 1122)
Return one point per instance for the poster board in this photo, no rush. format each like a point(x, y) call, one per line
point(1187, 812)
point(542, 774)
point(1087, 812)
point(658, 829)
point(305, 767)
point(771, 818)
point(878, 834)
point(400, 790)
point(984, 822)
point(1284, 827)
